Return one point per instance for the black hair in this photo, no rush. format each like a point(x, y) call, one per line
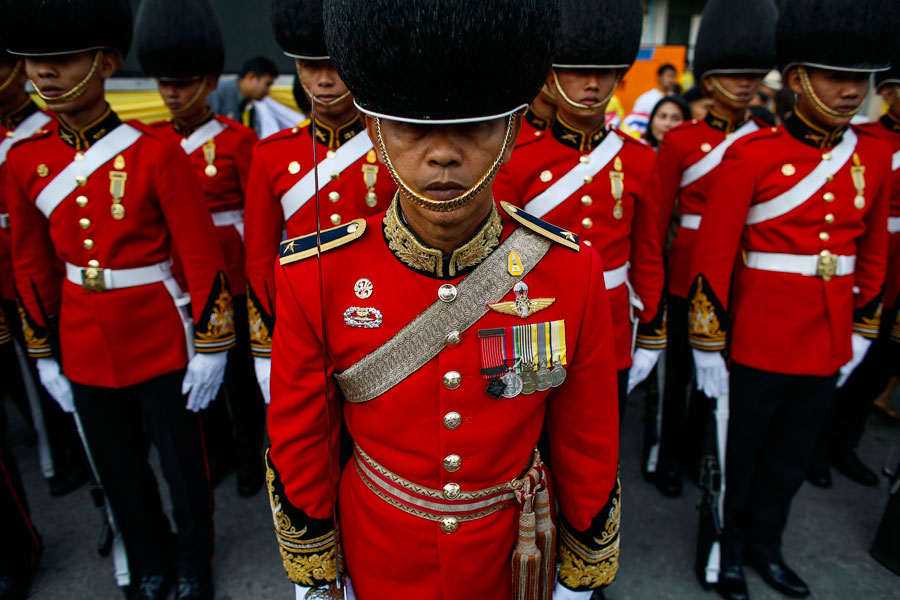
point(259, 65)
point(666, 67)
point(678, 101)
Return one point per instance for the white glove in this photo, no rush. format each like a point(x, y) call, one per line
point(712, 374)
point(56, 383)
point(561, 592)
point(204, 377)
point(642, 363)
point(860, 347)
point(300, 591)
point(263, 368)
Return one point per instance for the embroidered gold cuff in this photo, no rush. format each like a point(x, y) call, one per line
point(37, 339)
point(706, 330)
point(215, 331)
point(261, 326)
point(589, 560)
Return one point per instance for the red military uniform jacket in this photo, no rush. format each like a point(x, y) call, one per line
point(789, 322)
point(117, 337)
point(589, 209)
point(685, 170)
point(220, 152)
point(281, 181)
point(437, 428)
point(534, 125)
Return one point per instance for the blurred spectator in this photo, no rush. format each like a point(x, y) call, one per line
point(668, 113)
point(666, 81)
point(234, 98)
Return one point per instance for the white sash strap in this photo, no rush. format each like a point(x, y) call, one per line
point(895, 161)
point(567, 185)
point(798, 264)
point(4, 220)
point(26, 129)
point(201, 135)
point(691, 221)
point(616, 277)
point(300, 193)
point(807, 186)
point(714, 157)
point(893, 224)
point(96, 156)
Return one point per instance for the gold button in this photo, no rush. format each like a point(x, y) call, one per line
point(584, 159)
point(829, 218)
point(42, 170)
point(334, 196)
point(546, 176)
point(452, 420)
point(79, 156)
point(788, 169)
point(452, 463)
point(84, 223)
point(587, 200)
point(587, 223)
point(452, 339)
point(451, 491)
point(352, 227)
point(447, 293)
point(294, 167)
point(93, 263)
point(452, 380)
point(81, 180)
point(588, 180)
point(828, 197)
point(81, 201)
point(331, 154)
point(826, 156)
point(335, 219)
point(588, 243)
point(449, 524)
point(705, 147)
point(335, 176)
point(829, 178)
point(88, 244)
point(824, 236)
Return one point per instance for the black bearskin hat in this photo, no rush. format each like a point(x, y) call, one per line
point(836, 34)
point(44, 27)
point(599, 34)
point(299, 28)
point(736, 36)
point(178, 39)
point(441, 60)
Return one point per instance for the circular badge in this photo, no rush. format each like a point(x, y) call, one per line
point(363, 288)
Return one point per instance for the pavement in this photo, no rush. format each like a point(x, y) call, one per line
point(826, 541)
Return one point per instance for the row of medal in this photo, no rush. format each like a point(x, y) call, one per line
point(523, 359)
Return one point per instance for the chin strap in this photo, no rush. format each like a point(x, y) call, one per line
point(817, 104)
point(337, 100)
point(586, 107)
point(197, 95)
point(720, 89)
point(459, 201)
point(76, 91)
point(17, 70)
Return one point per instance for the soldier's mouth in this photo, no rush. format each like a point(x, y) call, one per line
point(444, 190)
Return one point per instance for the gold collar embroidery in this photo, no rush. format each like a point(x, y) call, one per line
point(334, 137)
point(573, 137)
point(721, 122)
point(799, 126)
point(410, 250)
point(12, 120)
point(81, 139)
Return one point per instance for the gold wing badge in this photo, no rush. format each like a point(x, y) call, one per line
point(522, 306)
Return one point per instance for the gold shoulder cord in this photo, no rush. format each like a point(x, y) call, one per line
point(818, 105)
point(76, 91)
point(459, 201)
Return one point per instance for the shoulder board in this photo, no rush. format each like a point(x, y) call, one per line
point(304, 246)
point(548, 230)
point(37, 135)
point(285, 133)
point(630, 135)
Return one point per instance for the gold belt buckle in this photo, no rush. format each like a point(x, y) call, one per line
point(92, 279)
point(826, 266)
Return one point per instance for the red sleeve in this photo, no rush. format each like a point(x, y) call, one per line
point(264, 225)
point(193, 234)
point(647, 273)
point(37, 276)
point(872, 246)
point(243, 156)
point(665, 183)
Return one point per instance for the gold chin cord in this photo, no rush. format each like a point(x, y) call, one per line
point(76, 91)
point(817, 104)
point(546, 93)
point(720, 89)
point(194, 98)
point(17, 70)
point(588, 107)
point(337, 100)
point(459, 201)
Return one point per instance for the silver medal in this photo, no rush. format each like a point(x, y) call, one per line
point(544, 379)
point(557, 375)
point(513, 384)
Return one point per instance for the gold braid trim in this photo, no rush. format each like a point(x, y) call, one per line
point(4, 328)
point(868, 327)
point(705, 332)
point(583, 567)
point(260, 336)
point(219, 334)
point(38, 347)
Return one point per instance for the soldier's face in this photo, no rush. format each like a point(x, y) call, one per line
point(841, 91)
point(590, 87)
point(741, 86)
point(442, 162)
point(319, 78)
point(186, 97)
point(56, 75)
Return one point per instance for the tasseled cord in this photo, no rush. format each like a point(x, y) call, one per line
point(533, 560)
point(546, 543)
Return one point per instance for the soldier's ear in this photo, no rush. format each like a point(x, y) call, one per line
point(793, 81)
point(109, 62)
